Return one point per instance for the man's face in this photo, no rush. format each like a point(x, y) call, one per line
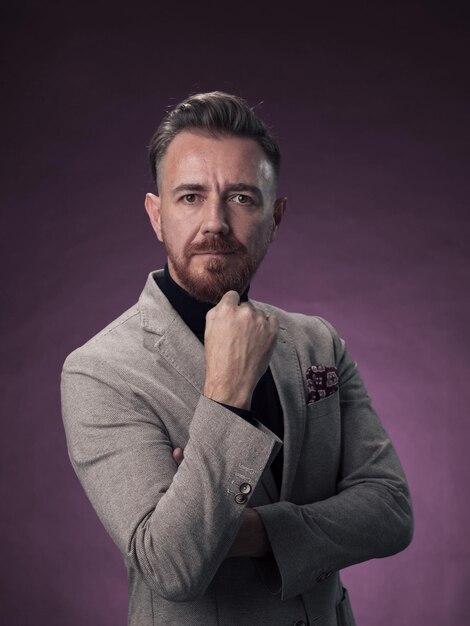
point(216, 213)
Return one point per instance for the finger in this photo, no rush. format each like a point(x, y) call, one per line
point(261, 315)
point(231, 297)
point(272, 322)
point(259, 312)
point(250, 307)
point(177, 455)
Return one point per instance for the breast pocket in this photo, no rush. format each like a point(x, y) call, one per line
point(323, 407)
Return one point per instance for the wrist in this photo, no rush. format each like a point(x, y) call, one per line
point(238, 398)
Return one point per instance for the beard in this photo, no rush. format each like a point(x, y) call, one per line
point(232, 271)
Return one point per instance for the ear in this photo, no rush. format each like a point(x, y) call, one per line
point(280, 206)
point(153, 208)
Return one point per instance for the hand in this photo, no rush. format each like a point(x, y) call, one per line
point(178, 456)
point(252, 539)
point(238, 344)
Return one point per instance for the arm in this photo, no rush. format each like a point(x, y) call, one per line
point(369, 517)
point(174, 525)
point(251, 539)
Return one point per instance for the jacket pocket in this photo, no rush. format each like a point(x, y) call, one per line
point(323, 407)
point(344, 614)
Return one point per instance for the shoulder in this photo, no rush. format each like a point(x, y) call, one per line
point(122, 340)
point(113, 343)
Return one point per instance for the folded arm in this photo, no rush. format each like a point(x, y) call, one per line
point(370, 516)
point(173, 524)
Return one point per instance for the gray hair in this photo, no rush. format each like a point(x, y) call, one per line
point(218, 113)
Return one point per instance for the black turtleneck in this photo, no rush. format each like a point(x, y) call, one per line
point(265, 404)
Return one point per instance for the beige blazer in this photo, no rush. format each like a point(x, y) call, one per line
point(132, 393)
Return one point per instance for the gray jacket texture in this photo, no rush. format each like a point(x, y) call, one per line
point(132, 393)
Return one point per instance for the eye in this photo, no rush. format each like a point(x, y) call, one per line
point(192, 198)
point(241, 198)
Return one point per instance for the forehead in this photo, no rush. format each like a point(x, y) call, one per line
point(199, 155)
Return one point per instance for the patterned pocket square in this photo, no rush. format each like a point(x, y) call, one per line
point(322, 381)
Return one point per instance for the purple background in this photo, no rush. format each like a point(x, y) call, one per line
point(370, 105)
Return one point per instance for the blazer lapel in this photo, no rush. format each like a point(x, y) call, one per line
point(288, 378)
point(183, 350)
point(175, 341)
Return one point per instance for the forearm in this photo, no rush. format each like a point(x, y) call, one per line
point(173, 524)
point(354, 501)
point(182, 543)
point(251, 539)
point(311, 541)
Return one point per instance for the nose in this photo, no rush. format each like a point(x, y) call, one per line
point(215, 217)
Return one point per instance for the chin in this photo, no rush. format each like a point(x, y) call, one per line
point(210, 287)
point(208, 279)
point(211, 282)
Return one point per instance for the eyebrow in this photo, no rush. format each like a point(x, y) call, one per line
point(256, 191)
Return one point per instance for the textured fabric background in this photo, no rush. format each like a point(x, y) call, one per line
point(370, 105)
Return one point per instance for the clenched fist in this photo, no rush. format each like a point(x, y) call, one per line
point(238, 344)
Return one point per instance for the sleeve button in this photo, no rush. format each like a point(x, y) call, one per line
point(245, 488)
point(240, 498)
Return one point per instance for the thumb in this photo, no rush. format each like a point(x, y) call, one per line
point(230, 297)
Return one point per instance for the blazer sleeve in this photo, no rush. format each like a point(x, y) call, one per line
point(173, 524)
point(370, 516)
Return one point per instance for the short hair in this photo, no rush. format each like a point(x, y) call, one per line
point(216, 112)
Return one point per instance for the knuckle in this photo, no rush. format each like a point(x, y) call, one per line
point(246, 311)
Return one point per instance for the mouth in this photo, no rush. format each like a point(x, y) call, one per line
point(215, 253)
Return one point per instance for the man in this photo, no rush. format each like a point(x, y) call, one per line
point(229, 448)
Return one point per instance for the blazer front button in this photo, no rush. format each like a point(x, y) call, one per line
point(240, 498)
point(245, 488)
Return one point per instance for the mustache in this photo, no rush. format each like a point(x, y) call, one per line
point(216, 244)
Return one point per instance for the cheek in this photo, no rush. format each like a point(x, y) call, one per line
point(260, 237)
point(177, 233)
point(248, 231)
